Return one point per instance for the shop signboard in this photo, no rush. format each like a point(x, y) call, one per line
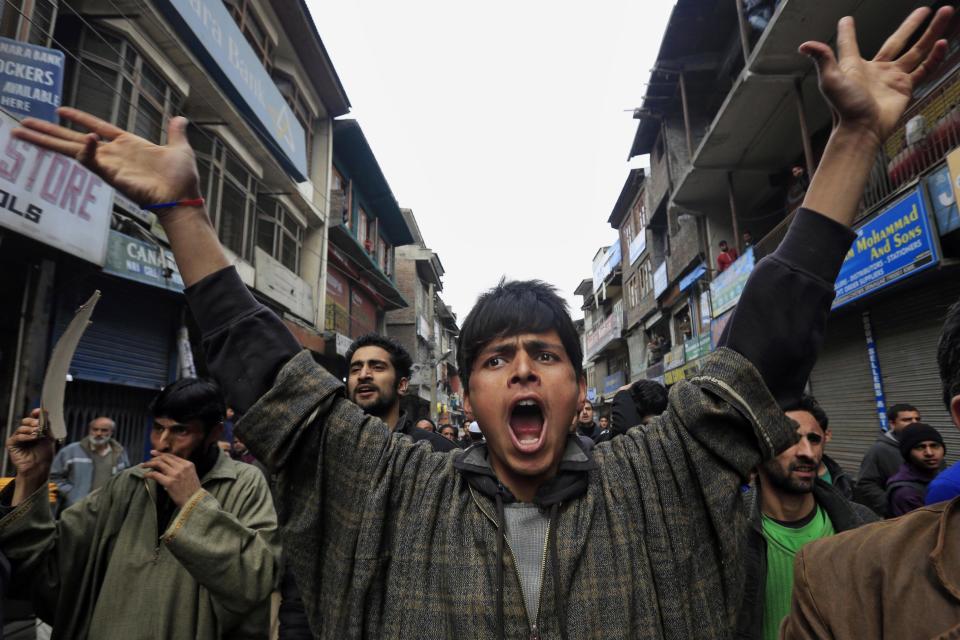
point(134, 259)
point(214, 37)
point(685, 372)
point(687, 280)
point(717, 327)
point(878, 393)
point(674, 358)
point(282, 285)
point(637, 245)
point(613, 382)
point(31, 79)
point(696, 347)
point(337, 303)
point(896, 244)
point(660, 281)
point(52, 199)
point(602, 334)
point(726, 288)
point(592, 394)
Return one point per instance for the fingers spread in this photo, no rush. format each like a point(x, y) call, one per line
point(847, 39)
point(920, 52)
point(51, 129)
point(898, 40)
point(933, 61)
point(92, 123)
point(52, 143)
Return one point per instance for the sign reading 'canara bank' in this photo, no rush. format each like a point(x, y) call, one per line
point(214, 37)
point(52, 199)
point(897, 243)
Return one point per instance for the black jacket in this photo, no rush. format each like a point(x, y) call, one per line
point(844, 515)
point(841, 480)
point(591, 430)
point(881, 461)
point(407, 426)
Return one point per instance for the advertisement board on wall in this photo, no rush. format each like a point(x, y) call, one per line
point(660, 281)
point(897, 243)
point(637, 245)
point(215, 38)
point(31, 79)
point(605, 263)
point(726, 288)
point(613, 382)
point(52, 199)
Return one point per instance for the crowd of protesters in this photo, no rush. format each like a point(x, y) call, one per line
point(711, 511)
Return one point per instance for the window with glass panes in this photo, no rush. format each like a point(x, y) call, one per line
point(230, 190)
point(28, 20)
point(279, 233)
point(646, 278)
point(297, 102)
point(115, 83)
point(253, 30)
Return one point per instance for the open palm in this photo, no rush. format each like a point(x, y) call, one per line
point(873, 94)
point(145, 172)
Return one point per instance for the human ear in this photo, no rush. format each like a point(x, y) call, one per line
point(955, 410)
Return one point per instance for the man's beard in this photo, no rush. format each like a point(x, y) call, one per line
point(785, 482)
point(380, 405)
point(99, 441)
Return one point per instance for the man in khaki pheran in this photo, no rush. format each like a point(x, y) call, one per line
point(182, 546)
point(639, 537)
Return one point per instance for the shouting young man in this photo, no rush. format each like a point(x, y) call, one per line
point(537, 534)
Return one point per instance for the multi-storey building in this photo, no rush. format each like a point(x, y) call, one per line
point(255, 81)
point(367, 228)
point(427, 328)
point(734, 125)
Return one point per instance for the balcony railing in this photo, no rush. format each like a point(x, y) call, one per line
point(936, 117)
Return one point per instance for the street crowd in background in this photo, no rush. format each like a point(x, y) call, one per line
point(313, 508)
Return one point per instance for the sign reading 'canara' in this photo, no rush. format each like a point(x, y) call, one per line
point(52, 199)
point(895, 244)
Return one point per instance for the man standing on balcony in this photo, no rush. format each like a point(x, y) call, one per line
point(728, 255)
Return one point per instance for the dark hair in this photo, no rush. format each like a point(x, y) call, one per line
point(897, 409)
point(512, 308)
point(190, 399)
point(809, 404)
point(948, 354)
point(586, 401)
point(449, 426)
point(432, 423)
point(649, 396)
point(722, 242)
point(399, 357)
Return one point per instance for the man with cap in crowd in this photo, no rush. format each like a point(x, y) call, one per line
point(922, 449)
point(882, 459)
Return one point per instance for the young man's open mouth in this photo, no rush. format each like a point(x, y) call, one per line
point(527, 425)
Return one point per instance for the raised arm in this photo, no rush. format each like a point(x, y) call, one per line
point(780, 319)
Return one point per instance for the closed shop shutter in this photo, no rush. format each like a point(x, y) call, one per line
point(842, 383)
point(131, 340)
point(907, 328)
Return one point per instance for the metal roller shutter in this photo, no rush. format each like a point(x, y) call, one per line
point(131, 340)
point(842, 383)
point(907, 328)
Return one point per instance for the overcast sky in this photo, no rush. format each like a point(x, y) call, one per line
point(501, 124)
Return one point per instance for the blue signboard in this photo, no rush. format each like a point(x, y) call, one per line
point(215, 39)
point(942, 200)
point(692, 277)
point(878, 393)
point(897, 243)
point(31, 80)
point(592, 394)
point(613, 382)
point(605, 266)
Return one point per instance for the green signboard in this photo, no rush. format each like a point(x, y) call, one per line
point(134, 259)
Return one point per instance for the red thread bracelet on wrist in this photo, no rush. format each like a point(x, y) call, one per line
point(192, 202)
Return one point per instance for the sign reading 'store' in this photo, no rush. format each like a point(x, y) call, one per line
point(52, 199)
point(897, 243)
point(31, 79)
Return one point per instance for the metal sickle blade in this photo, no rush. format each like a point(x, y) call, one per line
point(55, 378)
